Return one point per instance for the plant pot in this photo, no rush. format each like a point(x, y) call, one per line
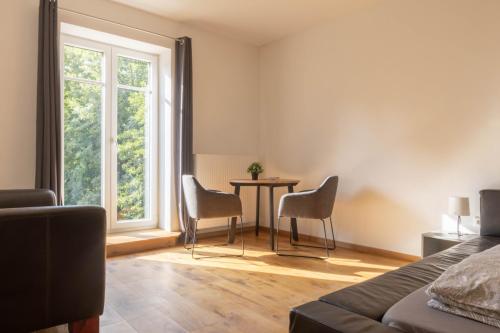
point(255, 176)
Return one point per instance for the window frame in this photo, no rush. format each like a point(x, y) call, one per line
point(152, 88)
point(109, 122)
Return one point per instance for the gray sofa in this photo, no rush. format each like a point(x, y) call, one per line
point(53, 262)
point(396, 301)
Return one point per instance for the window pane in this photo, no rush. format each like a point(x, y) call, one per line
point(82, 63)
point(132, 72)
point(82, 143)
point(132, 155)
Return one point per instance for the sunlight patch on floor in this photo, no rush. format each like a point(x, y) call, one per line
point(266, 262)
point(168, 291)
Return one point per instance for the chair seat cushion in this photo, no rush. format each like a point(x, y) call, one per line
point(412, 314)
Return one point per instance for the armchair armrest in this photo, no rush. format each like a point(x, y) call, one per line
point(212, 204)
point(55, 265)
point(26, 198)
point(300, 204)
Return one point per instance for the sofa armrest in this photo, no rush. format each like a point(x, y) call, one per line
point(321, 317)
point(53, 261)
point(26, 198)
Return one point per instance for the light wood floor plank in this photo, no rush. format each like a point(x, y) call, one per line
point(167, 291)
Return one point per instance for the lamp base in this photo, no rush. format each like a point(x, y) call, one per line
point(459, 234)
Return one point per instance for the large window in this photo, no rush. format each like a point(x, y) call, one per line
point(83, 104)
point(110, 134)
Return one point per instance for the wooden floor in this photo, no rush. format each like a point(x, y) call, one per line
point(167, 291)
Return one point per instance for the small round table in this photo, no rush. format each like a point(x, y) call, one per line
point(271, 184)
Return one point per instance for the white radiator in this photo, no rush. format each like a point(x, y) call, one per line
point(215, 171)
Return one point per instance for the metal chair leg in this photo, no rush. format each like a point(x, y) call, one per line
point(242, 239)
point(193, 245)
point(326, 247)
point(186, 236)
point(278, 236)
point(194, 237)
point(326, 239)
point(333, 234)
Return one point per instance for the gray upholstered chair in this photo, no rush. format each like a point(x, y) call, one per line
point(312, 204)
point(206, 204)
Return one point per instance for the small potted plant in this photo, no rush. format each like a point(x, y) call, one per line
point(255, 168)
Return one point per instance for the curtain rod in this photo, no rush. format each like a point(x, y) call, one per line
point(123, 25)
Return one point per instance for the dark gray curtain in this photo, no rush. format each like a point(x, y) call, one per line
point(183, 114)
point(48, 113)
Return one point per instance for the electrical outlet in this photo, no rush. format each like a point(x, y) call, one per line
point(477, 220)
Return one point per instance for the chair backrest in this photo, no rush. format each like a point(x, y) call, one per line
point(192, 192)
point(326, 195)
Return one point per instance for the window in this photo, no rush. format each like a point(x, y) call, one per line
point(110, 131)
point(83, 101)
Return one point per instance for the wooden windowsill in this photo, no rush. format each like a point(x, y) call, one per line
point(139, 241)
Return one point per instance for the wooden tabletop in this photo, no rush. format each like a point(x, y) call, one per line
point(264, 182)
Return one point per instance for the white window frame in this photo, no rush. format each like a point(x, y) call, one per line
point(151, 125)
point(109, 127)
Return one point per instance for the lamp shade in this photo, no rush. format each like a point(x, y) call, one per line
point(458, 206)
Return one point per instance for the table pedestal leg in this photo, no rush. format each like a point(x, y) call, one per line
point(271, 217)
point(232, 230)
point(295, 233)
point(257, 212)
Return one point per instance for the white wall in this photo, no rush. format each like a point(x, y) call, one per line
point(18, 47)
point(225, 84)
point(402, 101)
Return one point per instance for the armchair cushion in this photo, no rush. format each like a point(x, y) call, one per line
point(218, 204)
point(53, 261)
point(313, 204)
point(299, 205)
point(205, 204)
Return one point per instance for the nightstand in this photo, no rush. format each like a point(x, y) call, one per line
point(433, 242)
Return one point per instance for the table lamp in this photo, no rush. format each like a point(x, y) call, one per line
point(458, 206)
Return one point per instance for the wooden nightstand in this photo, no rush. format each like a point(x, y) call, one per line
point(433, 242)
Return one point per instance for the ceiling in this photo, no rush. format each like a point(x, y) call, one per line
point(254, 21)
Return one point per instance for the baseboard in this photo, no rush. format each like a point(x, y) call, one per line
point(380, 252)
point(355, 247)
point(147, 240)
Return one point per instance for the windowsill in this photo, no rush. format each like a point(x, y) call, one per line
point(139, 241)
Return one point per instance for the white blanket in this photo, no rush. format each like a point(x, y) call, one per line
point(471, 288)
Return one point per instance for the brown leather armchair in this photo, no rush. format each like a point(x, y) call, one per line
point(53, 263)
